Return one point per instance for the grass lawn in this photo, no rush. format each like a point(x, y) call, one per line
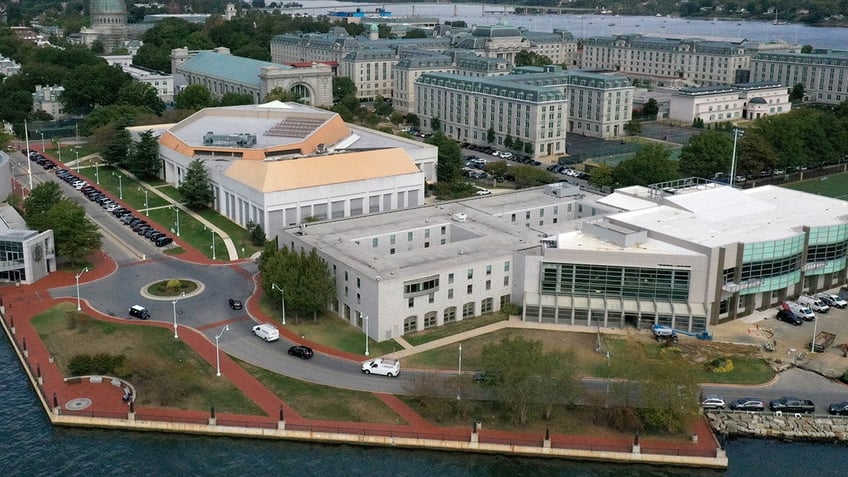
point(164, 371)
point(329, 330)
point(315, 401)
point(835, 185)
point(432, 334)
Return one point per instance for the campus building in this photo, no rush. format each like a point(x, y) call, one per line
point(48, 99)
point(534, 107)
point(280, 164)
point(741, 101)
point(222, 73)
point(823, 73)
point(670, 62)
point(687, 254)
point(162, 82)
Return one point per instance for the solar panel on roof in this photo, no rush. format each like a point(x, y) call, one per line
point(294, 127)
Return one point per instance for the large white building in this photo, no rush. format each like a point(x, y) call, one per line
point(280, 164)
point(741, 101)
point(687, 254)
point(823, 73)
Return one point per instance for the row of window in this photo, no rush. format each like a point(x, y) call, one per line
point(615, 281)
point(449, 314)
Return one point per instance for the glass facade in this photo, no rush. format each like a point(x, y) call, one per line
point(827, 249)
point(662, 284)
point(775, 264)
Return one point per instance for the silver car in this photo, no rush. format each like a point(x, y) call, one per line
point(713, 402)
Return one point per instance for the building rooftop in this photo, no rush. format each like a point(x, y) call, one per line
point(228, 68)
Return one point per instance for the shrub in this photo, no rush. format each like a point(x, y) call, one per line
point(100, 363)
point(174, 284)
point(720, 365)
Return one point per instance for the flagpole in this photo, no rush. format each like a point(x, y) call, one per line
point(29, 162)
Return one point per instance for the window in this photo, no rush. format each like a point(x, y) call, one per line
point(375, 242)
point(488, 284)
point(431, 298)
point(488, 270)
point(506, 281)
point(450, 278)
point(486, 305)
point(450, 293)
point(470, 273)
point(410, 324)
point(358, 282)
point(409, 237)
point(421, 286)
point(430, 320)
point(468, 310)
point(506, 266)
point(469, 289)
point(411, 302)
point(449, 315)
point(345, 275)
point(358, 298)
point(391, 239)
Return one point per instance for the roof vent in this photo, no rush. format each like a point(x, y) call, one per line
point(460, 217)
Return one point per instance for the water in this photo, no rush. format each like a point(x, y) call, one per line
point(31, 446)
point(583, 26)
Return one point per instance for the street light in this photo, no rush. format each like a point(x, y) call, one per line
point(736, 133)
point(77, 161)
point(459, 375)
point(97, 172)
point(77, 276)
point(182, 295)
point(366, 335)
point(120, 185)
point(146, 212)
point(813, 342)
point(282, 299)
point(213, 241)
point(178, 218)
point(218, 350)
point(42, 140)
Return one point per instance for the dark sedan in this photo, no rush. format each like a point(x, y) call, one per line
point(235, 304)
point(747, 404)
point(840, 408)
point(302, 352)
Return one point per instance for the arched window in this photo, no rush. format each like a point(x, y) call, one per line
point(449, 315)
point(410, 324)
point(430, 319)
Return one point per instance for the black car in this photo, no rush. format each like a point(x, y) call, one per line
point(789, 317)
point(162, 241)
point(156, 235)
point(302, 352)
point(747, 404)
point(839, 408)
point(235, 304)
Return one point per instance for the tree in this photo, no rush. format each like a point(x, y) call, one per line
point(530, 176)
point(413, 120)
point(257, 235)
point(754, 153)
point(193, 97)
point(117, 151)
point(41, 199)
point(396, 117)
point(76, 237)
point(142, 95)
point(436, 124)
point(195, 187)
point(513, 363)
point(145, 157)
point(236, 99)
point(415, 33)
point(343, 86)
point(508, 141)
point(490, 135)
point(531, 58)
point(652, 164)
point(382, 107)
point(706, 154)
point(601, 176)
point(319, 287)
point(449, 165)
point(633, 127)
point(807, 49)
point(281, 94)
point(669, 397)
point(651, 108)
point(92, 85)
point(797, 93)
point(558, 382)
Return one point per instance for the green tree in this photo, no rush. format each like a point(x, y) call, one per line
point(43, 197)
point(382, 107)
point(557, 382)
point(413, 120)
point(652, 164)
point(76, 236)
point(92, 85)
point(529, 176)
point(651, 108)
point(193, 97)
point(797, 93)
point(531, 58)
point(415, 33)
point(117, 151)
point(319, 287)
point(141, 94)
point(257, 235)
point(449, 165)
point(342, 87)
point(508, 141)
point(195, 187)
point(633, 127)
point(436, 124)
point(807, 49)
point(601, 176)
point(754, 153)
point(669, 397)
point(236, 99)
point(397, 117)
point(146, 163)
point(706, 154)
point(281, 94)
point(490, 135)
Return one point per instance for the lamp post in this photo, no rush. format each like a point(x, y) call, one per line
point(96, 172)
point(218, 350)
point(77, 161)
point(213, 241)
point(182, 295)
point(736, 133)
point(77, 277)
point(42, 140)
point(146, 212)
point(178, 218)
point(459, 375)
point(366, 335)
point(120, 185)
point(29, 162)
point(813, 342)
point(282, 299)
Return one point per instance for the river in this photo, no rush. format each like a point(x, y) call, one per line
point(32, 447)
point(583, 26)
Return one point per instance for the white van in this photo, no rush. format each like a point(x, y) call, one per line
point(386, 367)
point(799, 310)
point(267, 332)
point(813, 303)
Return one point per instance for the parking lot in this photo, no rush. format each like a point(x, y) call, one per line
point(792, 342)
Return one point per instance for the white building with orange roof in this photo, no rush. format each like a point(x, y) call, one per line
point(281, 164)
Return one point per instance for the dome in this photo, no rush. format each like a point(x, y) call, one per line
point(758, 100)
point(374, 27)
point(108, 7)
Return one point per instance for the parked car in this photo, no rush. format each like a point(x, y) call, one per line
point(832, 300)
point(162, 241)
point(789, 317)
point(302, 352)
point(839, 408)
point(235, 304)
point(813, 303)
point(485, 377)
point(747, 404)
point(713, 402)
point(483, 192)
point(792, 404)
